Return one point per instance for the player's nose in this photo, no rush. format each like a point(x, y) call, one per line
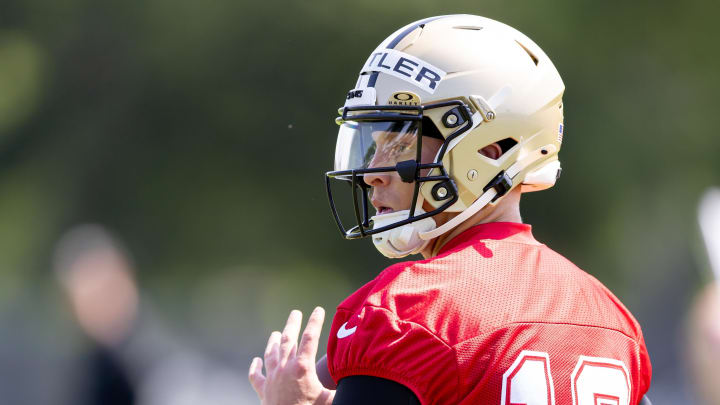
point(376, 179)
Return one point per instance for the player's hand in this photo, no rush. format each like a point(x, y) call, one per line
point(290, 377)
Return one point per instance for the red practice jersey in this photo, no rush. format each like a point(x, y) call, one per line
point(495, 318)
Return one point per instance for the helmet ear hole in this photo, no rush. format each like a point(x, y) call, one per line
point(506, 144)
point(496, 149)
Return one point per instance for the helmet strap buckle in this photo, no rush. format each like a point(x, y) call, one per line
point(502, 183)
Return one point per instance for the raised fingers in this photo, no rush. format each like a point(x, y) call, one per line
point(256, 377)
point(311, 336)
point(272, 351)
point(288, 341)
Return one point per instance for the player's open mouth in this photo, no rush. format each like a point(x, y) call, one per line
point(384, 210)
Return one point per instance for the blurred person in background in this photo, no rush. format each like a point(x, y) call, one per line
point(441, 136)
point(133, 358)
point(703, 343)
point(98, 280)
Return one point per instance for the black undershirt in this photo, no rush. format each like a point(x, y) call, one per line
point(364, 389)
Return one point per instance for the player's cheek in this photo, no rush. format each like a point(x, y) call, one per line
point(408, 190)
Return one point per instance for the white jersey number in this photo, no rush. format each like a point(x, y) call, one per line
point(594, 381)
point(600, 381)
point(528, 380)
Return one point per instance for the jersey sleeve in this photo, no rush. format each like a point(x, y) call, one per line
point(373, 341)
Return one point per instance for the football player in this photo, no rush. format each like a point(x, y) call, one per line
point(451, 120)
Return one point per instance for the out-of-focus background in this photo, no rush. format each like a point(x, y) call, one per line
point(195, 136)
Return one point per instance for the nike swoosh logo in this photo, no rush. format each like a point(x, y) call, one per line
point(343, 333)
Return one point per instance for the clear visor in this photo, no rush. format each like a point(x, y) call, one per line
point(374, 144)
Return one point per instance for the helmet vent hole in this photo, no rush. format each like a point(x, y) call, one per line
point(468, 27)
point(532, 56)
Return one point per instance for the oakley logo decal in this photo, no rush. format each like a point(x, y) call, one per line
point(404, 98)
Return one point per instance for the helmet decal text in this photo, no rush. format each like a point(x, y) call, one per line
point(406, 67)
point(364, 96)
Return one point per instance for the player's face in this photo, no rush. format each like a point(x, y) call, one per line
point(389, 192)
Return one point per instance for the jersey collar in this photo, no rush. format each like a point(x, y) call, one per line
point(511, 231)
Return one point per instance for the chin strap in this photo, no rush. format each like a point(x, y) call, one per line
point(403, 240)
point(488, 196)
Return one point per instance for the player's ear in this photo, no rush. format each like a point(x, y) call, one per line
point(492, 151)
